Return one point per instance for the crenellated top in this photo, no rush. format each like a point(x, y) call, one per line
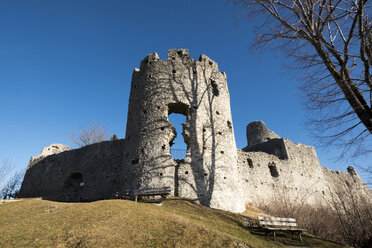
point(174, 54)
point(149, 59)
point(177, 55)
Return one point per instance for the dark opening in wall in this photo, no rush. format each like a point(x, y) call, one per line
point(178, 108)
point(177, 114)
point(273, 170)
point(229, 124)
point(215, 89)
point(73, 187)
point(135, 161)
point(250, 163)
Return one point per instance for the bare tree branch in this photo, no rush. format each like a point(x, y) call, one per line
point(330, 42)
point(94, 134)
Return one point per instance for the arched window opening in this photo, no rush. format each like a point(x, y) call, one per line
point(178, 146)
point(177, 114)
point(73, 187)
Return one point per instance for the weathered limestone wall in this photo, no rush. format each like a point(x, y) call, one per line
point(269, 177)
point(88, 173)
point(198, 90)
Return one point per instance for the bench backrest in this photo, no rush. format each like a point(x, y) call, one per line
point(160, 190)
point(277, 222)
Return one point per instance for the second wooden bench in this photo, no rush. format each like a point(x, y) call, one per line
point(273, 224)
point(163, 192)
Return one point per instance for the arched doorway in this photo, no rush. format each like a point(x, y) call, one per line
point(73, 187)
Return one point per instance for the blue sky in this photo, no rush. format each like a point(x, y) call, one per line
point(65, 64)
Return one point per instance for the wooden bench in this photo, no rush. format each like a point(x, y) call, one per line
point(163, 192)
point(273, 224)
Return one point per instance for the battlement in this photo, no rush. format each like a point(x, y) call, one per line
point(149, 59)
point(178, 55)
point(174, 54)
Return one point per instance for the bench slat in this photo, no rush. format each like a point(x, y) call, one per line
point(276, 219)
point(152, 193)
point(272, 223)
point(143, 191)
point(284, 229)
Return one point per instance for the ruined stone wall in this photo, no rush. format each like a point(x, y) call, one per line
point(297, 178)
point(214, 173)
point(85, 174)
point(198, 90)
point(275, 147)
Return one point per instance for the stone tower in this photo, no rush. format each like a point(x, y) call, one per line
point(198, 90)
point(257, 133)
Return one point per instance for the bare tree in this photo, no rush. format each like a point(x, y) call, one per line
point(95, 133)
point(12, 187)
point(353, 211)
point(330, 42)
point(6, 168)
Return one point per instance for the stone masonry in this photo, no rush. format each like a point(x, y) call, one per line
point(214, 172)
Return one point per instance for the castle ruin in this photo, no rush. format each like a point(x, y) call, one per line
point(213, 173)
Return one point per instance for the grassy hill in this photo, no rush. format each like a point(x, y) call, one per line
point(121, 223)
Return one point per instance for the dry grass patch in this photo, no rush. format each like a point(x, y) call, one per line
point(119, 223)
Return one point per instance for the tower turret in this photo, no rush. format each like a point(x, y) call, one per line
point(198, 90)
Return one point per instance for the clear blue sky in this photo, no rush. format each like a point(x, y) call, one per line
point(65, 64)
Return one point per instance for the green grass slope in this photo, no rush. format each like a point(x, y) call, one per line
point(120, 223)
